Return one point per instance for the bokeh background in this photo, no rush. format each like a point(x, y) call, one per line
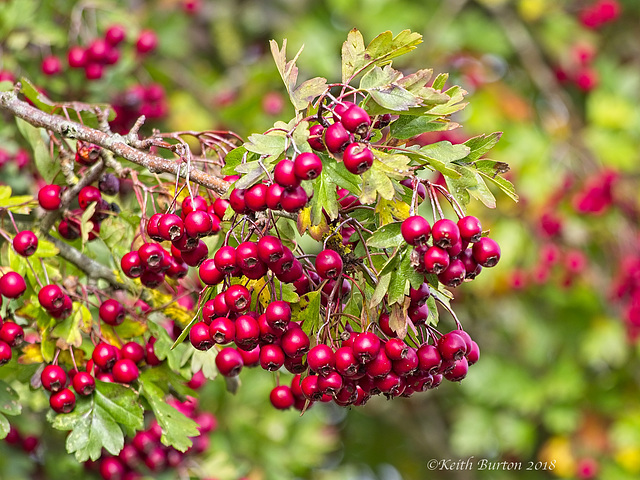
point(557, 321)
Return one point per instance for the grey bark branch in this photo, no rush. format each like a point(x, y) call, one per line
point(118, 144)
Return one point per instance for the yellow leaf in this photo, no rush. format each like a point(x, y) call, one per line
point(31, 354)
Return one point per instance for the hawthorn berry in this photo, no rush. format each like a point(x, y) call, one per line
point(51, 297)
point(357, 158)
point(49, 197)
point(329, 264)
point(125, 371)
point(63, 401)
point(25, 243)
point(229, 362)
point(83, 383)
point(111, 312)
point(12, 285)
point(200, 337)
point(415, 230)
point(53, 378)
point(281, 397)
point(307, 166)
point(486, 252)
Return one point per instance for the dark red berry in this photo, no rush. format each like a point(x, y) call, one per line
point(88, 195)
point(220, 207)
point(256, 197)
point(307, 166)
point(436, 260)
point(104, 356)
point(452, 346)
point(25, 243)
point(247, 332)
point(111, 312)
point(5, 352)
point(237, 298)
point(294, 199)
point(336, 138)
point(229, 362)
point(51, 297)
point(12, 285)
point(366, 346)
point(486, 252)
point(133, 351)
point(125, 371)
point(356, 120)
point(200, 337)
point(315, 137)
point(454, 274)
point(198, 224)
point(196, 256)
point(151, 255)
point(329, 264)
point(445, 233)
point(49, 197)
point(83, 383)
point(270, 249)
point(357, 158)
point(237, 201)
point(153, 227)
point(274, 195)
point(281, 397)
point(63, 401)
point(132, 264)
point(415, 230)
point(420, 295)
point(284, 174)
point(470, 229)
point(53, 378)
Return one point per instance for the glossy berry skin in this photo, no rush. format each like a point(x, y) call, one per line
point(486, 252)
point(83, 383)
point(452, 346)
point(198, 224)
point(229, 362)
point(111, 312)
point(237, 298)
point(454, 274)
point(284, 174)
point(131, 264)
point(51, 297)
point(63, 401)
point(321, 359)
point(331, 383)
point(396, 349)
point(271, 357)
point(200, 337)
point(346, 363)
point(125, 371)
point(293, 199)
point(209, 274)
point(170, 227)
point(222, 330)
point(49, 197)
point(307, 166)
point(247, 255)
point(247, 332)
point(329, 264)
point(473, 354)
point(356, 120)
point(220, 206)
point(281, 397)
point(310, 389)
point(420, 295)
point(153, 227)
point(295, 342)
point(151, 255)
point(274, 196)
point(53, 378)
point(445, 233)
point(5, 352)
point(237, 201)
point(336, 138)
point(25, 243)
point(256, 197)
point(225, 260)
point(436, 260)
point(12, 285)
point(366, 346)
point(415, 230)
point(470, 229)
point(195, 257)
point(357, 158)
point(104, 356)
point(133, 351)
point(315, 137)
point(278, 314)
point(88, 195)
point(270, 249)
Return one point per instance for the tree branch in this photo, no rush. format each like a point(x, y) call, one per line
point(118, 144)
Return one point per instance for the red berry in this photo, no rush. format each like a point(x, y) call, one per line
point(315, 137)
point(12, 285)
point(366, 346)
point(104, 356)
point(170, 227)
point(445, 233)
point(147, 41)
point(271, 357)
point(229, 362)
point(454, 274)
point(77, 57)
point(222, 330)
point(25, 243)
point(53, 378)
point(470, 229)
point(220, 207)
point(256, 197)
point(357, 158)
point(133, 351)
point(436, 260)
point(281, 397)
point(225, 260)
point(49, 197)
point(153, 227)
point(88, 195)
point(452, 346)
point(347, 364)
point(5, 352)
point(51, 65)
point(209, 273)
point(125, 371)
point(237, 201)
point(270, 249)
point(278, 314)
point(115, 35)
point(63, 401)
point(321, 359)
point(295, 342)
point(284, 174)
point(51, 297)
point(111, 312)
point(151, 255)
point(307, 166)
point(247, 332)
point(415, 230)
point(200, 337)
point(198, 224)
point(131, 264)
point(237, 298)
point(195, 257)
point(486, 252)
point(294, 199)
point(336, 138)
point(329, 264)
point(356, 120)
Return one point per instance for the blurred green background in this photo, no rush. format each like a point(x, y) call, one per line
point(557, 321)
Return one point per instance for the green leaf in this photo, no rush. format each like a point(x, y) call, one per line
point(310, 316)
point(386, 47)
point(408, 126)
point(379, 77)
point(46, 165)
point(233, 159)
point(176, 427)
point(490, 170)
point(470, 183)
point(402, 278)
point(68, 332)
point(92, 429)
point(440, 81)
point(387, 236)
point(9, 400)
point(288, 70)
point(325, 197)
point(337, 173)
point(381, 289)
point(434, 316)
point(252, 173)
point(374, 181)
point(394, 97)
point(352, 54)
point(480, 145)
point(205, 361)
point(38, 98)
point(307, 91)
point(46, 249)
point(266, 144)
point(440, 156)
point(121, 403)
point(5, 427)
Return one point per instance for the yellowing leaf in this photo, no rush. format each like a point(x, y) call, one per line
point(31, 354)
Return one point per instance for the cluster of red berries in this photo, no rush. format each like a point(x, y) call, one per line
point(151, 262)
point(144, 454)
point(600, 13)
point(100, 53)
point(12, 286)
point(137, 100)
point(28, 444)
point(449, 256)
